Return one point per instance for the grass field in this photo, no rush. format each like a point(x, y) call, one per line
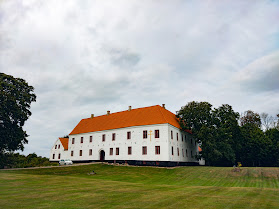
point(139, 187)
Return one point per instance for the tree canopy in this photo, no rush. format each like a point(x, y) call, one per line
point(15, 100)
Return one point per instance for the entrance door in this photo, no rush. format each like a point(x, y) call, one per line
point(102, 155)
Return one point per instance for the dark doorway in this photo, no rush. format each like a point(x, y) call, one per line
point(102, 155)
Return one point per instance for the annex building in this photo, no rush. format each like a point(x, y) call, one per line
point(143, 136)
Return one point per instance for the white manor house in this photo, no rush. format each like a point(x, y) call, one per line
point(143, 136)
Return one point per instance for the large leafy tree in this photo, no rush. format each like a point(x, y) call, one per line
point(15, 100)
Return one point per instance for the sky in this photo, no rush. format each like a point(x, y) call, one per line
point(87, 57)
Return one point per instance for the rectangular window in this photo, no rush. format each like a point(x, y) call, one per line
point(81, 139)
point(191, 154)
point(157, 134)
point(186, 153)
point(113, 137)
point(72, 153)
point(59, 146)
point(59, 156)
point(177, 136)
point(80, 152)
point(157, 150)
point(171, 150)
point(90, 151)
point(144, 133)
point(90, 140)
point(144, 150)
point(111, 151)
point(129, 150)
point(53, 156)
point(177, 151)
point(181, 137)
point(171, 135)
point(73, 140)
point(129, 135)
point(103, 137)
point(117, 151)
point(56, 146)
point(182, 152)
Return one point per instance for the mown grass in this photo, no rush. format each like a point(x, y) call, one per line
point(139, 187)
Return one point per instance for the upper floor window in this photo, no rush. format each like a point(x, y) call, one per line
point(113, 137)
point(90, 151)
point(157, 134)
point(144, 150)
point(171, 134)
point(129, 150)
point(177, 136)
point(111, 151)
point(144, 133)
point(177, 151)
point(59, 146)
point(90, 139)
point(103, 137)
point(182, 137)
point(171, 150)
point(80, 152)
point(73, 140)
point(81, 139)
point(157, 150)
point(117, 151)
point(129, 135)
point(72, 153)
point(56, 146)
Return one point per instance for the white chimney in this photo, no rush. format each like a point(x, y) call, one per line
point(130, 108)
point(163, 105)
point(92, 115)
point(108, 112)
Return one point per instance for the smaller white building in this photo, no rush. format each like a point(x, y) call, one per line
point(142, 136)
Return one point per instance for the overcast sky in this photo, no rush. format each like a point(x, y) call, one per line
point(87, 57)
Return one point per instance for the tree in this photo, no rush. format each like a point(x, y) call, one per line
point(267, 121)
point(251, 118)
point(15, 100)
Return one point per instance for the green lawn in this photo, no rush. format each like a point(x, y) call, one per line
point(139, 187)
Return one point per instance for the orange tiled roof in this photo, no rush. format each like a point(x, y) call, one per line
point(136, 117)
point(64, 142)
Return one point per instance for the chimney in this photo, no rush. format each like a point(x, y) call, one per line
point(92, 115)
point(108, 112)
point(130, 108)
point(163, 105)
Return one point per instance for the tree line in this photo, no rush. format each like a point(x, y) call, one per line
point(226, 137)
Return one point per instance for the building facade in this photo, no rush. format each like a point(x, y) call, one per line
point(143, 136)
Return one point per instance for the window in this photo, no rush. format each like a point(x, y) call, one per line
point(73, 140)
point(182, 137)
point(111, 151)
point(177, 151)
point(81, 139)
point(129, 150)
point(171, 150)
point(90, 140)
point(144, 133)
point(186, 153)
point(177, 136)
point(59, 146)
point(103, 137)
point(117, 151)
point(144, 150)
point(59, 156)
point(185, 138)
point(90, 151)
point(171, 135)
point(157, 150)
point(56, 146)
point(80, 152)
point(113, 137)
point(191, 141)
point(157, 134)
point(53, 156)
point(72, 153)
point(182, 153)
point(129, 135)
point(191, 153)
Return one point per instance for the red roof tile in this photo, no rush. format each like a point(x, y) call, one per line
point(136, 117)
point(64, 142)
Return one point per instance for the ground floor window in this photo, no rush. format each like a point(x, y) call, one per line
point(129, 150)
point(186, 153)
point(72, 153)
point(171, 150)
point(117, 151)
point(80, 152)
point(177, 151)
point(90, 151)
point(182, 153)
point(144, 150)
point(53, 156)
point(111, 151)
point(157, 150)
point(59, 156)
